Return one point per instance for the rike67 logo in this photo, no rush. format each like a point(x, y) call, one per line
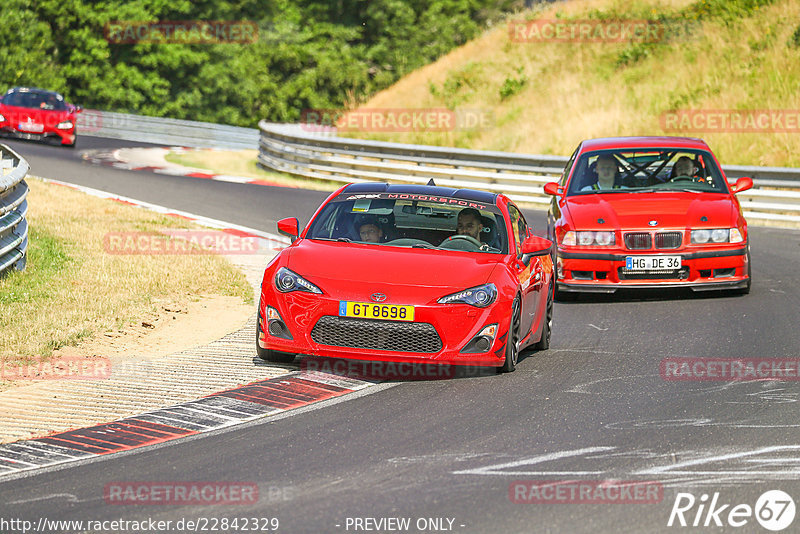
point(774, 510)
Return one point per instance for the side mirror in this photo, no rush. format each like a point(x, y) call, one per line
point(742, 184)
point(536, 246)
point(552, 188)
point(290, 227)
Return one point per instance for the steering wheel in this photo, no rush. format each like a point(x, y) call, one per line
point(683, 178)
point(467, 238)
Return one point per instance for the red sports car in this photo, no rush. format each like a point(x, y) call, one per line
point(636, 212)
point(30, 113)
point(405, 273)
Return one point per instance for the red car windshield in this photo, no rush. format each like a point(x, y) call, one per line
point(646, 170)
point(404, 221)
point(34, 99)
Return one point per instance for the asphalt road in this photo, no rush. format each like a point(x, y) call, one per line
point(445, 454)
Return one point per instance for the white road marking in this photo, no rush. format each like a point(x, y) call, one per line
point(495, 469)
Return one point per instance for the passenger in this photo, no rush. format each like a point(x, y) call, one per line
point(370, 232)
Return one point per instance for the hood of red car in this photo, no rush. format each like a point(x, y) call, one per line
point(321, 261)
point(636, 210)
point(42, 116)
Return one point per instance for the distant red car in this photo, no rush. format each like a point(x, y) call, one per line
point(637, 212)
point(31, 113)
point(381, 273)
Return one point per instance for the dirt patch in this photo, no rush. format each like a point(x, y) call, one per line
point(175, 327)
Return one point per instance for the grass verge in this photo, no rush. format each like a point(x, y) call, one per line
point(545, 97)
point(73, 289)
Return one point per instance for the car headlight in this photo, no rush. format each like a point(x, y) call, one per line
point(716, 235)
point(64, 125)
point(2, 118)
point(287, 281)
point(479, 296)
point(588, 238)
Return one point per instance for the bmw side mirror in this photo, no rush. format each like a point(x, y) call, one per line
point(742, 184)
point(552, 188)
point(290, 227)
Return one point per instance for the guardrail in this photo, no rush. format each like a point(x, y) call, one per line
point(159, 130)
point(314, 152)
point(13, 208)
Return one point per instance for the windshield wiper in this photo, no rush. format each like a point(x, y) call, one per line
point(421, 245)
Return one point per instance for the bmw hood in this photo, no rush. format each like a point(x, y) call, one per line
point(378, 265)
point(637, 210)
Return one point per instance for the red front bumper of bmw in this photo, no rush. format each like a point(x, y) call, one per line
point(605, 271)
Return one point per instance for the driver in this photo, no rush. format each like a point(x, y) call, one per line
point(370, 232)
point(469, 223)
point(683, 167)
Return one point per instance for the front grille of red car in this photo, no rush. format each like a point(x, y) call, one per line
point(669, 239)
point(656, 274)
point(395, 336)
point(638, 240)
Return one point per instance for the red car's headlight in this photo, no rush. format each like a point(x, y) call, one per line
point(588, 238)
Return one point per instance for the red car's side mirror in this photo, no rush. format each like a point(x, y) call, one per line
point(290, 227)
point(536, 246)
point(552, 188)
point(742, 184)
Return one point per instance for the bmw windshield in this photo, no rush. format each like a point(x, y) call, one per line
point(646, 170)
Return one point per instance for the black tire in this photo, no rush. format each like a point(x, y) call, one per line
point(512, 354)
point(268, 354)
point(547, 327)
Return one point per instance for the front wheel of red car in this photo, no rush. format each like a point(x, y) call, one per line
point(512, 353)
point(544, 341)
point(270, 355)
point(746, 289)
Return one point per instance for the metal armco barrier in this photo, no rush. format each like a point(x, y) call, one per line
point(157, 130)
point(315, 152)
point(13, 208)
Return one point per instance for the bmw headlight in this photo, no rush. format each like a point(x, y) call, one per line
point(287, 281)
point(479, 296)
point(716, 235)
point(64, 125)
point(589, 238)
point(2, 118)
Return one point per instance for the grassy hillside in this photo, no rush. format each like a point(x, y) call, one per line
point(545, 97)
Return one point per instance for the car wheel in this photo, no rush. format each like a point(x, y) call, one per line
point(268, 354)
point(511, 339)
point(544, 342)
